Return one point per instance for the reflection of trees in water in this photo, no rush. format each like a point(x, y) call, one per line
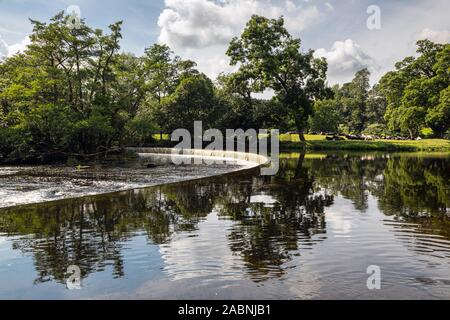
point(59, 236)
point(353, 177)
point(417, 190)
point(416, 186)
point(266, 236)
point(91, 232)
point(413, 188)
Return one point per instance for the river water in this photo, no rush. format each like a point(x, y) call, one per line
point(311, 232)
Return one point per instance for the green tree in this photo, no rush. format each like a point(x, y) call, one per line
point(192, 100)
point(271, 57)
point(353, 97)
point(327, 116)
point(375, 107)
point(70, 93)
point(418, 84)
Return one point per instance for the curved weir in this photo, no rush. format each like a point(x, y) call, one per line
point(248, 159)
point(31, 185)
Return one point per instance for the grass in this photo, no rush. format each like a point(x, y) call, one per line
point(317, 142)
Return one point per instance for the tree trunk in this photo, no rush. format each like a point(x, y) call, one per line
point(302, 136)
point(298, 124)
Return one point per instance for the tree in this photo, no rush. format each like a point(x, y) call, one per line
point(438, 117)
point(241, 110)
point(235, 94)
point(327, 116)
point(164, 71)
point(353, 97)
point(375, 107)
point(192, 100)
point(268, 55)
point(70, 93)
point(418, 84)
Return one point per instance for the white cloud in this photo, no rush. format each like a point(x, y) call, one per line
point(8, 51)
point(438, 36)
point(202, 29)
point(203, 23)
point(19, 47)
point(344, 59)
point(3, 49)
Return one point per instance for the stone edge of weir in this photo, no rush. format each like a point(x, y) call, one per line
point(256, 159)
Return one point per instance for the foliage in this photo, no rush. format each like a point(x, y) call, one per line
point(417, 91)
point(270, 58)
point(72, 93)
point(375, 129)
point(327, 116)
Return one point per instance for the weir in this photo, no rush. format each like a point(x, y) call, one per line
point(158, 153)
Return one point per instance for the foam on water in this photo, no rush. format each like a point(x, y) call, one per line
point(28, 185)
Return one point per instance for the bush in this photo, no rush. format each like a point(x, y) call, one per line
point(427, 133)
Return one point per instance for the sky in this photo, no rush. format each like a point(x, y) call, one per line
point(201, 29)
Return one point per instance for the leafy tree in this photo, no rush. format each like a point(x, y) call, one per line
point(241, 110)
point(327, 116)
point(269, 56)
point(375, 107)
point(414, 91)
point(235, 94)
point(439, 116)
point(70, 93)
point(164, 71)
point(353, 97)
point(192, 100)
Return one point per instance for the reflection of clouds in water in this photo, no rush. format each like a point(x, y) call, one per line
point(267, 200)
point(339, 220)
point(307, 285)
point(202, 253)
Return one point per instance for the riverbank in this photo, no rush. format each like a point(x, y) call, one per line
point(318, 142)
point(291, 142)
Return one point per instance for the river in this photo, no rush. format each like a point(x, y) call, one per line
point(311, 232)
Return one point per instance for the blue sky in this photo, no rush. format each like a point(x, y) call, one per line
point(201, 29)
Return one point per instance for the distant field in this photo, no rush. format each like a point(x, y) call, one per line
point(319, 142)
point(296, 137)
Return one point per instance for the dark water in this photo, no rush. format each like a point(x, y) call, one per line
point(309, 233)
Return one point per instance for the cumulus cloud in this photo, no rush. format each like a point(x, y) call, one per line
point(202, 29)
point(344, 59)
point(203, 23)
point(8, 51)
point(19, 47)
point(3, 49)
point(438, 36)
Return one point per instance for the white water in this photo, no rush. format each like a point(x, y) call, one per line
point(29, 185)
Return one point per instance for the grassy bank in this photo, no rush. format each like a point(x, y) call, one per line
point(317, 142)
